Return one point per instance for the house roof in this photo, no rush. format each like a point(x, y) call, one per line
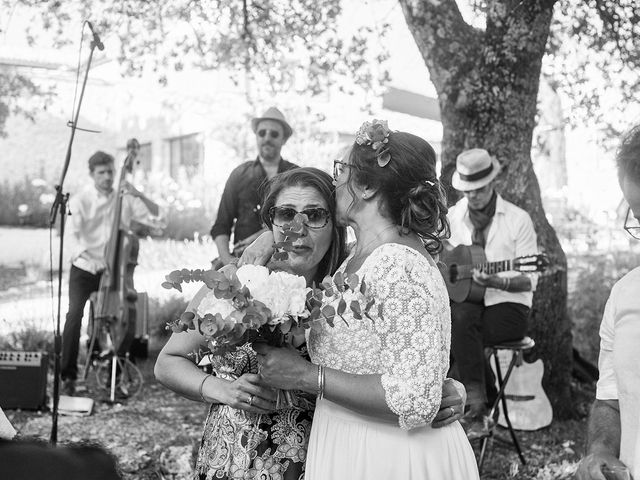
point(404, 101)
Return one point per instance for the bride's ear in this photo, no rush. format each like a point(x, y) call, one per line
point(368, 193)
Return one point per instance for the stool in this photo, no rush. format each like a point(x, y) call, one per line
point(516, 348)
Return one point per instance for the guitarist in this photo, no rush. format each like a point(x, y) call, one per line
point(91, 215)
point(482, 217)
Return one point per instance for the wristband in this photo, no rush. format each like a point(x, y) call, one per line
point(507, 283)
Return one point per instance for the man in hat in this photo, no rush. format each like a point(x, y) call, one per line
point(242, 194)
point(482, 217)
point(613, 445)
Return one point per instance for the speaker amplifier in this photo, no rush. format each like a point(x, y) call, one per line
point(23, 380)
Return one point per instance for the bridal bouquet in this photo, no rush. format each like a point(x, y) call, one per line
point(251, 303)
point(244, 305)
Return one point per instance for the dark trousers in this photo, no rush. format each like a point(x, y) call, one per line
point(81, 285)
point(472, 327)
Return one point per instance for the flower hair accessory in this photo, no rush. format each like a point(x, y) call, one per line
point(376, 134)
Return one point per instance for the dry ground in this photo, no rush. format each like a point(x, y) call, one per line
point(154, 435)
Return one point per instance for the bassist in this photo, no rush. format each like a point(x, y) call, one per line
point(482, 217)
point(91, 216)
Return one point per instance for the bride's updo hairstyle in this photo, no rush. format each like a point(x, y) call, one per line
point(401, 167)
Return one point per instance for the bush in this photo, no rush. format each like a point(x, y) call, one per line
point(28, 339)
point(593, 276)
point(161, 312)
point(183, 223)
point(25, 203)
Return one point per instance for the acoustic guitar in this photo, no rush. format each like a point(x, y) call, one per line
point(457, 267)
point(528, 405)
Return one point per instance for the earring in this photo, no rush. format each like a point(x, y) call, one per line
point(364, 196)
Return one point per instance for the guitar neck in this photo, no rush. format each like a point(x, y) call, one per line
point(495, 267)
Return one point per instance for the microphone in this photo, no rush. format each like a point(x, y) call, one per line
point(96, 38)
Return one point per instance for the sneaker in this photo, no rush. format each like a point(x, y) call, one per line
point(68, 387)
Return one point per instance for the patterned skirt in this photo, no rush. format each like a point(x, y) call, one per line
point(241, 445)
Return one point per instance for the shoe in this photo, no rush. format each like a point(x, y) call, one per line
point(477, 427)
point(68, 387)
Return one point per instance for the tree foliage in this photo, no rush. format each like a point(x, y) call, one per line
point(593, 56)
point(20, 95)
point(293, 45)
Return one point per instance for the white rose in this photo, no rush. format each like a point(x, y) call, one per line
point(211, 304)
point(287, 295)
point(256, 279)
point(298, 303)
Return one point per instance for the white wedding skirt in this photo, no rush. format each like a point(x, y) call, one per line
point(345, 445)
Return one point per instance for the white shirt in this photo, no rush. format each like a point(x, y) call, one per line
point(90, 219)
point(619, 363)
point(511, 234)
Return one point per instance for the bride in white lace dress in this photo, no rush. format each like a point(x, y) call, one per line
point(379, 380)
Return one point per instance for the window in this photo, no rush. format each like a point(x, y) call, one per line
point(186, 156)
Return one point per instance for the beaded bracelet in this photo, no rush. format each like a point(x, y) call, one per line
point(200, 388)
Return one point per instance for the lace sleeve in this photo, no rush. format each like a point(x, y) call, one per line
point(413, 324)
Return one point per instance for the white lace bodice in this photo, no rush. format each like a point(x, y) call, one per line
point(407, 341)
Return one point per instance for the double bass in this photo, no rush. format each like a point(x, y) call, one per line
point(115, 300)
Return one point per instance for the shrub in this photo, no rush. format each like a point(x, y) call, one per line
point(161, 312)
point(25, 203)
point(28, 339)
point(184, 222)
point(593, 276)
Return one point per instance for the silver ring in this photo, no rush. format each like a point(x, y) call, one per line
point(250, 401)
point(453, 412)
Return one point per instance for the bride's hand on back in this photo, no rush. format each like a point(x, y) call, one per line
point(454, 396)
point(259, 252)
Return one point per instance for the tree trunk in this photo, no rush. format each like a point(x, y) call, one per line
point(487, 83)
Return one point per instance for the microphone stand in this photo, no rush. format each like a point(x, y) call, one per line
point(60, 206)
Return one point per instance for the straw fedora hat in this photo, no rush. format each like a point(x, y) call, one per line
point(272, 113)
point(475, 168)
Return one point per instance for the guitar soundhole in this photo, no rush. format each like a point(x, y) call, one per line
point(453, 273)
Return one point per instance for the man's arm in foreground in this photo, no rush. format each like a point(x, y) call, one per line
point(603, 443)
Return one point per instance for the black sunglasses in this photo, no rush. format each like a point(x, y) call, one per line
point(315, 217)
point(272, 133)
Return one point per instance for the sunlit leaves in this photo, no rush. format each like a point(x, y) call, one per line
point(20, 95)
point(593, 55)
point(287, 45)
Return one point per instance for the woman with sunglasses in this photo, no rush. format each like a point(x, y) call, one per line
point(244, 436)
point(378, 380)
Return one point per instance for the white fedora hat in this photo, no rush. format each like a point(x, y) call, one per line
point(272, 113)
point(475, 168)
